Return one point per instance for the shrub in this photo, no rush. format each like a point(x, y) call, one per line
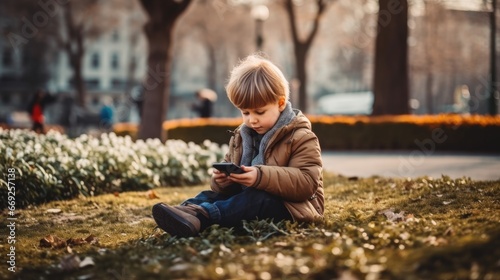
point(54, 167)
point(406, 132)
point(449, 132)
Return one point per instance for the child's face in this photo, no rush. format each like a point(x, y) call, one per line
point(262, 119)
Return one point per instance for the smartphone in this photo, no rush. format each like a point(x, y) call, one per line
point(228, 167)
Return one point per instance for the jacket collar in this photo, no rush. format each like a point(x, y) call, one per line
point(247, 135)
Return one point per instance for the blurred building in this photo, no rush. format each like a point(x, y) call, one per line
point(448, 49)
point(113, 66)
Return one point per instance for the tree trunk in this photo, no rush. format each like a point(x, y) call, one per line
point(78, 79)
point(493, 100)
point(131, 65)
point(429, 96)
point(300, 69)
point(302, 46)
point(390, 87)
point(212, 67)
point(163, 15)
point(157, 83)
point(75, 50)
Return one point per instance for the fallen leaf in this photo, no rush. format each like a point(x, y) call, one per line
point(151, 194)
point(92, 239)
point(392, 216)
point(75, 241)
point(117, 194)
point(52, 241)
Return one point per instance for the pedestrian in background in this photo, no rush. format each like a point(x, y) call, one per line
point(205, 103)
point(106, 114)
point(36, 109)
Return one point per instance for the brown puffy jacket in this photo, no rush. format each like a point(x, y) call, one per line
point(292, 170)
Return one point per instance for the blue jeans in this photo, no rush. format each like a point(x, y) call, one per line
point(248, 204)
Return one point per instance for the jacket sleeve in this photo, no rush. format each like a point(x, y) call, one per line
point(300, 178)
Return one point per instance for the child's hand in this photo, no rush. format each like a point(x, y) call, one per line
point(221, 178)
point(248, 178)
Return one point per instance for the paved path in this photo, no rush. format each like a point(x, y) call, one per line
point(413, 164)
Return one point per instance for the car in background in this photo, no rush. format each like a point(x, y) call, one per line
point(346, 103)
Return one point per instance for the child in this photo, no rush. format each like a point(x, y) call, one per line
point(278, 152)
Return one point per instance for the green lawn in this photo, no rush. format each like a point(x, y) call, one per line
point(375, 228)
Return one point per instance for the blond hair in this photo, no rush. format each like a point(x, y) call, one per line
point(256, 82)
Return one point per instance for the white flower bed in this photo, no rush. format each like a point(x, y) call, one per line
point(53, 166)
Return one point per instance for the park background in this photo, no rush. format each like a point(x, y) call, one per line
point(83, 52)
point(395, 74)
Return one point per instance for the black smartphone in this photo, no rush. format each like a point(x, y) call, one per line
point(228, 167)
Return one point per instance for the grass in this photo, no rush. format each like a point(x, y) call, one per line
point(375, 228)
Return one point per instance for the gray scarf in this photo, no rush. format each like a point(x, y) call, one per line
point(248, 134)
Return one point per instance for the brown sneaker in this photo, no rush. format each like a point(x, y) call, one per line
point(174, 221)
point(193, 209)
point(186, 209)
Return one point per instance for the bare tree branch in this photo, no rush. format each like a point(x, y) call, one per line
point(301, 47)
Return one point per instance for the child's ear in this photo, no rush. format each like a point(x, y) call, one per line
point(282, 103)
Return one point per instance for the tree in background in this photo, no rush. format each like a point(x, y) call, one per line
point(432, 50)
point(390, 86)
point(163, 15)
point(69, 24)
point(493, 100)
point(355, 39)
point(31, 48)
point(80, 23)
point(212, 28)
point(302, 46)
point(72, 41)
point(135, 23)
